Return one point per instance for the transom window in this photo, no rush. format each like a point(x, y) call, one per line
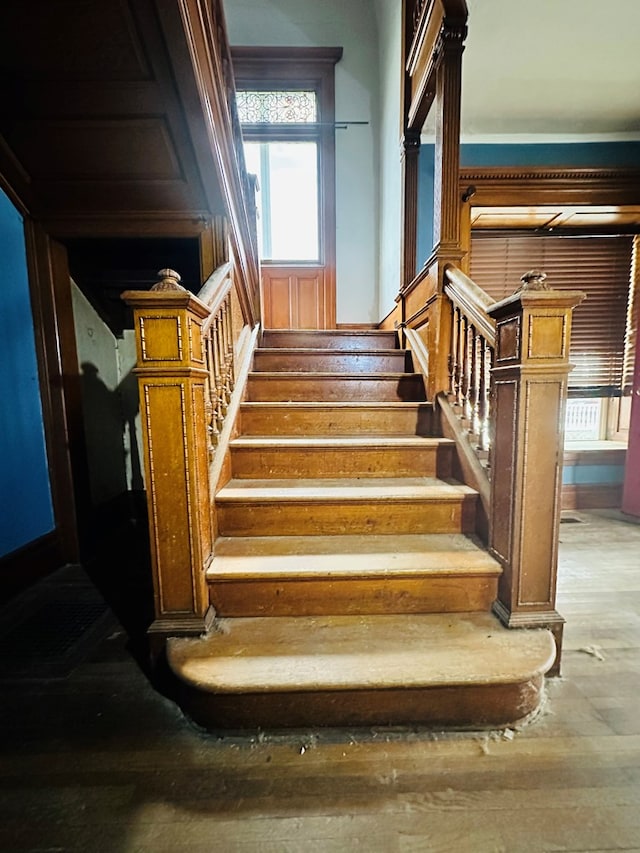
point(277, 107)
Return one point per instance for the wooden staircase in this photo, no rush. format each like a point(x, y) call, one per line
point(348, 585)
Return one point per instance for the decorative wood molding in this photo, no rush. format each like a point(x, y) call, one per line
point(518, 186)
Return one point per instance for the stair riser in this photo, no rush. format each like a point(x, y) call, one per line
point(263, 463)
point(393, 362)
point(288, 420)
point(345, 517)
point(332, 389)
point(476, 706)
point(351, 596)
point(330, 340)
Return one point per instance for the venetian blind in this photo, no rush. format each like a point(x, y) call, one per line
point(600, 266)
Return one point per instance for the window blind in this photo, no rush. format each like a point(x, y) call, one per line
point(601, 266)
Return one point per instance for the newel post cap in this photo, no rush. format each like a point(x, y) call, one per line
point(169, 280)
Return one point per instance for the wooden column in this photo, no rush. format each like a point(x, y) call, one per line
point(529, 385)
point(410, 158)
point(446, 202)
point(172, 380)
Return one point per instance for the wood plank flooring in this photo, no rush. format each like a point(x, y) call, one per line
point(100, 761)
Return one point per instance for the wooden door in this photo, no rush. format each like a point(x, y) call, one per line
point(297, 297)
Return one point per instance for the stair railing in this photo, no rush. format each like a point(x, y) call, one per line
point(192, 353)
point(471, 354)
point(499, 372)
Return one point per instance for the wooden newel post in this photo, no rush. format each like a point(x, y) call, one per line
point(172, 381)
point(529, 389)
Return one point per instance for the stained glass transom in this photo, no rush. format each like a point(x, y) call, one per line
point(276, 107)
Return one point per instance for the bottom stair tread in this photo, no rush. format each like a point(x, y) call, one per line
point(336, 653)
point(348, 556)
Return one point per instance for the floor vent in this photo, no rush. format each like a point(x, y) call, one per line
point(50, 631)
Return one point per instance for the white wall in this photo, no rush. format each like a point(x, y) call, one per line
point(109, 403)
point(389, 19)
point(350, 24)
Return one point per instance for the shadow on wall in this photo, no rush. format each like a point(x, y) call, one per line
point(110, 435)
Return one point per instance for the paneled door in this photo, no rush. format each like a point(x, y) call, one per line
point(297, 298)
point(285, 101)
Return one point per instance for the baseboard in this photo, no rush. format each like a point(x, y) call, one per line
point(25, 566)
point(356, 327)
point(591, 496)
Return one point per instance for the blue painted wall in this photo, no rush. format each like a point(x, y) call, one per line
point(602, 155)
point(26, 512)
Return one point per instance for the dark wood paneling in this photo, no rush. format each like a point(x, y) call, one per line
point(92, 117)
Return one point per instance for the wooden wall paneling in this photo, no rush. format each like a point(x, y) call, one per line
point(105, 124)
point(60, 384)
point(214, 246)
point(529, 387)
point(201, 62)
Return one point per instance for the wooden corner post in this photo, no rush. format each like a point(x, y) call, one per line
point(529, 388)
point(172, 381)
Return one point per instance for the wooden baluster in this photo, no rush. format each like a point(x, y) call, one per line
point(222, 394)
point(474, 380)
point(229, 327)
point(460, 360)
point(217, 373)
point(453, 354)
point(466, 373)
point(483, 392)
point(224, 342)
point(210, 404)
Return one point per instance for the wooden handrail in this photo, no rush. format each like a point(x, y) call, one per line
point(214, 291)
point(472, 301)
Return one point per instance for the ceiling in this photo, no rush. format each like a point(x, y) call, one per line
point(559, 67)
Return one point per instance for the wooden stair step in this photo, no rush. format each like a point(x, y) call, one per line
point(318, 575)
point(338, 418)
point(329, 387)
point(343, 506)
point(331, 361)
point(412, 669)
point(329, 339)
point(347, 456)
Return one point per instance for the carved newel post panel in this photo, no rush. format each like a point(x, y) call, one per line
point(172, 382)
point(529, 387)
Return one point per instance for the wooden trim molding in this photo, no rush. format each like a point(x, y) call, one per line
point(527, 186)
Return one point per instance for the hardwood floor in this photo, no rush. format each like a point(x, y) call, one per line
point(100, 761)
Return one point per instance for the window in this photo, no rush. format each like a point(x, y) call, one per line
point(601, 266)
point(287, 199)
point(276, 107)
